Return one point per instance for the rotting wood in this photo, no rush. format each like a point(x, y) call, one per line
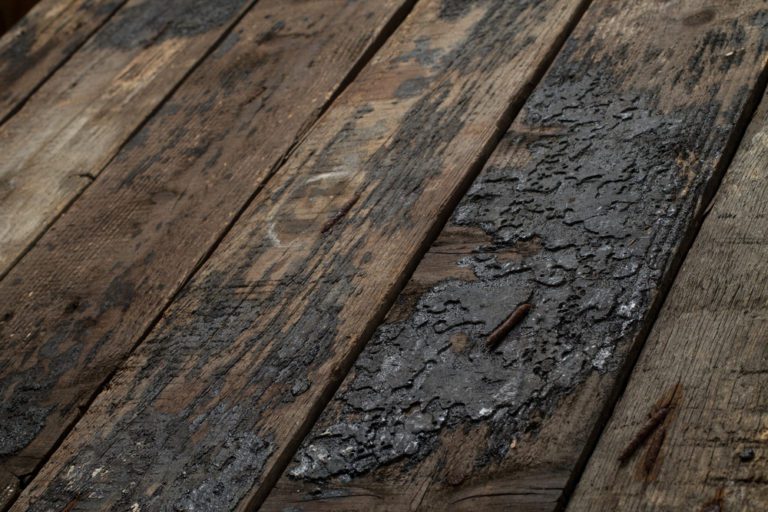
point(712, 337)
point(76, 122)
point(76, 304)
point(41, 42)
point(583, 210)
point(214, 402)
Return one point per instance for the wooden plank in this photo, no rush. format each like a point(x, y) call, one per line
point(42, 41)
point(78, 302)
point(711, 344)
point(579, 213)
point(209, 409)
point(76, 122)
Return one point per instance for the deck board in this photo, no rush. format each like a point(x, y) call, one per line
point(252, 253)
point(582, 212)
point(80, 300)
point(206, 412)
point(711, 344)
point(64, 136)
point(42, 41)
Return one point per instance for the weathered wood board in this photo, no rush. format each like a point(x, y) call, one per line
point(211, 406)
point(711, 343)
point(581, 213)
point(76, 304)
point(76, 122)
point(41, 42)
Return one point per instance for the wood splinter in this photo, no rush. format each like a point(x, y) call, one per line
point(336, 218)
point(644, 433)
point(500, 332)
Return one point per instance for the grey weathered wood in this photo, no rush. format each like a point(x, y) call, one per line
point(711, 342)
point(62, 138)
point(42, 41)
point(208, 410)
point(581, 212)
point(79, 301)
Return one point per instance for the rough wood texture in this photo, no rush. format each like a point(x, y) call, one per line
point(76, 122)
point(711, 341)
point(78, 302)
point(580, 213)
point(209, 409)
point(41, 42)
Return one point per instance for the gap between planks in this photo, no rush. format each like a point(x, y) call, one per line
point(737, 136)
point(51, 164)
point(41, 68)
point(389, 19)
point(486, 145)
point(708, 332)
point(752, 77)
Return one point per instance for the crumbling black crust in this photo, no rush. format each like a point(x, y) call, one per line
point(610, 188)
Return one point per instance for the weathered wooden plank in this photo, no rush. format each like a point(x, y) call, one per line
point(78, 302)
point(76, 122)
point(209, 409)
point(711, 343)
point(42, 41)
point(579, 213)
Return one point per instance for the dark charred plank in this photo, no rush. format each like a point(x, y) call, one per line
point(62, 138)
point(77, 303)
point(582, 211)
point(42, 41)
point(210, 407)
point(712, 337)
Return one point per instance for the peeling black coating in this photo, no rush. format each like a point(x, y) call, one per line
point(151, 22)
point(18, 58)
point(149, 446)
point(609, 185)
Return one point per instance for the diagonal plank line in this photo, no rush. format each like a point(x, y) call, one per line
point(137, 129)
point(23, 101)
point(501, 128)
point(625, 372)
point(396, 19)
point(502, 114)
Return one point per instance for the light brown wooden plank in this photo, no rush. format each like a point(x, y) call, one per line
point(76, 122)
point(78, 302)
point(580, 212)
point(210, 407)
point(42, 41)
point(711, 342)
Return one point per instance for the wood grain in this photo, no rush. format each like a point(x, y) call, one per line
point(42, 41)
point(76, 122)
point(209, 409)
point(78, 302)
point(711, 340)
point(581, 212)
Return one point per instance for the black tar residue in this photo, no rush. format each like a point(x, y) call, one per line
point(595, 215)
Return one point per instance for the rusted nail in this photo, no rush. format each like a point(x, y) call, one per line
point(644, 433)
point(71, 505)
point(654, 447)
point(500, 332)
point(336, 218)
point(716, 503)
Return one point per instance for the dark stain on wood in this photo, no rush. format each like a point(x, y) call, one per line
point(340, 214)
point(38, 45)
point(608, 176)
point(169, 198)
